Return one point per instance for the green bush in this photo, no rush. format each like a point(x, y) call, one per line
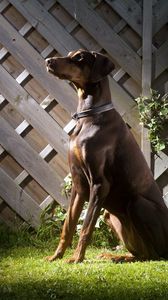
point(52, 219)
point(153, 113)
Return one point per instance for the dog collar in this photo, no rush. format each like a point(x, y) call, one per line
point(93, 111)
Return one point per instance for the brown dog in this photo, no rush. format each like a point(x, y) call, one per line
point(107, 166)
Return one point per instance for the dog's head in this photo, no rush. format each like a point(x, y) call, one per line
point(80, 66)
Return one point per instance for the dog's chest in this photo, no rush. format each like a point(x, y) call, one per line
point(79, 143)
point(75, 151)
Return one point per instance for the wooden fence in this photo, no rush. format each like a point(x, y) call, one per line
point(35, 108)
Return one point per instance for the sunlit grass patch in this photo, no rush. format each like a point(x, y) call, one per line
point(24, 274)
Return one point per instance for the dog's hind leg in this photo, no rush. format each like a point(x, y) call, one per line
point(116, 227)
point(150, 220)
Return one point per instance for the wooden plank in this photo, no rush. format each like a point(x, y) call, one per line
point(4, 4)
point(18, 200)
point(34, 64)
point(9, 217)
point(46, 102)
point(32, 112)
point(130, 11)
point(2, 99)
point(119, 74)
point(46, 25)
point(70, 126)
point(28, 158)
point(8, 222)
point(48, 4)
point(22, 127)
point(23, 76)
point(124, 96)
point(132, 119)
point(48, 200)
point(105, 36)
point(1, 150)
point(119, 26)
point(46, 52)
point(123, 93)
point(68, 95)
point(21, 177)
point(146, 69)
point(161, 165)
point(3, 53)
point(125, 105)
point(24, 174)
point(122, 101)
point(2, 205)
point(147, 47)
point(71, 26)
point(25, 29)
point(161, 59)
point(46, 151)
point(160, 15)
point(165, 197)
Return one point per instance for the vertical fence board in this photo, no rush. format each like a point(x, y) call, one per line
point(146, 69)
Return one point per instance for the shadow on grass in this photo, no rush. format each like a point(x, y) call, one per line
point(71, 290)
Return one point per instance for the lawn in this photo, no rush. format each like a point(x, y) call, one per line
point(24, 274)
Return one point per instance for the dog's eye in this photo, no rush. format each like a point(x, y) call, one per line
point(78, 57)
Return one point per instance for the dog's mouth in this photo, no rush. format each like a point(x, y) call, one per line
point(59, 76)
point(50, 70)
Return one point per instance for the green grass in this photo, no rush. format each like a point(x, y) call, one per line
point(24, 274)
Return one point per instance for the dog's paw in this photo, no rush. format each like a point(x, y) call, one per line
point(70, 260)
point(105, 256)
point(117, 258)
point(74, 260)
point(49, 258)
point(52, 257)
point(124, 259)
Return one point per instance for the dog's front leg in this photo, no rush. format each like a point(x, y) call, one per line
point(74, 211)
point(97, 197)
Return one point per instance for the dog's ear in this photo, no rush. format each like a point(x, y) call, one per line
point(101, 68)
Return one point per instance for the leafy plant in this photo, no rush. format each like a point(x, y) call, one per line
point(153, 112)
point(67, 186)
point(52, 219)
point(53, 216)
point(102, 235)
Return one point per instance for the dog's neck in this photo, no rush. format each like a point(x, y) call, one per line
point(93, 95)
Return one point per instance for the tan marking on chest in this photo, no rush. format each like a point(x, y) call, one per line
point(77, 152)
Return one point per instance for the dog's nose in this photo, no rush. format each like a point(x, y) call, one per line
point(48, 61)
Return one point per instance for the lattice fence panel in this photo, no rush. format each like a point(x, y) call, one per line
point(35, 108)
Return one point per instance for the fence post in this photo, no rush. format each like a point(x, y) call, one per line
point(146, 70)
